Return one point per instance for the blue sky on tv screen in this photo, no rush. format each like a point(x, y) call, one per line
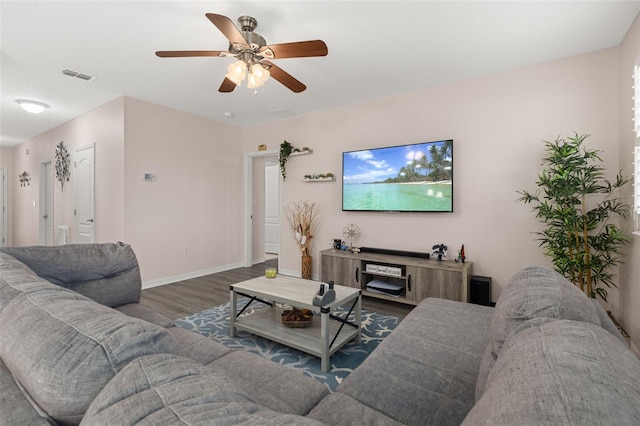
point(376, 165)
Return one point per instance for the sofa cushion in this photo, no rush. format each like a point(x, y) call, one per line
point(538, 292)
point(169, 389)
point(339, 409)
point(270, 384)
point(107, 273)
point(561, 372)
point(15, 407)
point(606, 322)
point(425, 372)
point(198, 347)
point(486, 364)
point(14, 271)
point(63, 348)
point(140, 311)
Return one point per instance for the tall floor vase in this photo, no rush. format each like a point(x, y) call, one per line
point(306, 267)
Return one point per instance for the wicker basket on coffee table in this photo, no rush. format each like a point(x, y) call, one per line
point(297, 318)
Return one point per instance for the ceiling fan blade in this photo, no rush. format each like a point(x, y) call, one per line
point(188, 53)
point(227, 27)
point(299, 49)
point(284, 77)
point(227, 86)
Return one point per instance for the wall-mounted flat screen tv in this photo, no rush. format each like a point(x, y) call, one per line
point(405, 178)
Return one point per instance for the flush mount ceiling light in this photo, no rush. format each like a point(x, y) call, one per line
point(32, 106)
point(253, 55)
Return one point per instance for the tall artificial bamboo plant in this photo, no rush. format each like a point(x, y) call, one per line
point(577, 204)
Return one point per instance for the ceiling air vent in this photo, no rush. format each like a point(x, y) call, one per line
point(283, 112)
point(85, 77)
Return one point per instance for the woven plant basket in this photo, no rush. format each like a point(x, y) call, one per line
point(293, 318)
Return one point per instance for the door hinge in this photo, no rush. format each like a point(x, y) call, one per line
point(74, 212)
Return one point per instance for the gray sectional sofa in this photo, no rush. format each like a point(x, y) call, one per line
point(76, 347)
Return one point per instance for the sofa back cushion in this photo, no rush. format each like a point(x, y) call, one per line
point(168, 389)
point(606, 322)
point(107, 273)
point(561, 372)
point(63, 348)
point(538, 292)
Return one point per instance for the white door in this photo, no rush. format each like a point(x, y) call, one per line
point(46, 204)
point(271, 207)
point(3, 208)
point(84, 164)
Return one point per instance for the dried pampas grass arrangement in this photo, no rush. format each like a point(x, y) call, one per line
point(304, 220)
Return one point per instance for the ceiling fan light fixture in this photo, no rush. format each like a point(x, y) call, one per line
point(32, 106)
point(253, 83)
point(260, 74)
point(257, 77)
point(237, 72)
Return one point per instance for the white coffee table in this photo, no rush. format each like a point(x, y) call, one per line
point(322, 339)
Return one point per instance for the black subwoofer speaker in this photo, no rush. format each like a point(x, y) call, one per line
point(480, 291)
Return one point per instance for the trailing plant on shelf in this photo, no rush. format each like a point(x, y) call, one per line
point(285, 151)
point(576, 203)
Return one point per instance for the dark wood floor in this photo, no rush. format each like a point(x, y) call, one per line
point(186, 297)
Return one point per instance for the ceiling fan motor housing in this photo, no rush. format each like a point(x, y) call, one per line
point(254, 40)
point(247, 23)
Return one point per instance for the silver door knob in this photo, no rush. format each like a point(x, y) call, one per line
point(46, 216)
point(90, 220)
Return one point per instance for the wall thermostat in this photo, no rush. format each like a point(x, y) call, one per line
point(149, 177)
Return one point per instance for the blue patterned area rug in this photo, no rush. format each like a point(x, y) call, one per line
point(214, 323)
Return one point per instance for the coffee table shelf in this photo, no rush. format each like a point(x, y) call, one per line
point(267, 323)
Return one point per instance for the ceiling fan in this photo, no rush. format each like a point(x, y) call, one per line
point(253, 54)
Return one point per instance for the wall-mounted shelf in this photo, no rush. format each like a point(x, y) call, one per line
point(324, 179)
point(295, 154)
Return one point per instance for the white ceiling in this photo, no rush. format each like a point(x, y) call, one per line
point(376, 49)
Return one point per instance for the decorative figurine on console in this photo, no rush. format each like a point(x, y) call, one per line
point(461, 257)
point(439, 250)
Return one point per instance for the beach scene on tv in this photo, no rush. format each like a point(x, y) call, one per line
point(413, 178)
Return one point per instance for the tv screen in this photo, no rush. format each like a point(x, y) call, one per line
point(406, 178)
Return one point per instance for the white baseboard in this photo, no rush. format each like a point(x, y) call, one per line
point(203, 272)
point(187, 276)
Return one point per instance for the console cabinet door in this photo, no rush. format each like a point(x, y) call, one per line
point(340, 270)
point(428, 282)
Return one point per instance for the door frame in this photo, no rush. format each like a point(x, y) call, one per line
point(45, 184)
point(93, 192)
point(248, 202)
point(5, 210)
point(267, 163)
